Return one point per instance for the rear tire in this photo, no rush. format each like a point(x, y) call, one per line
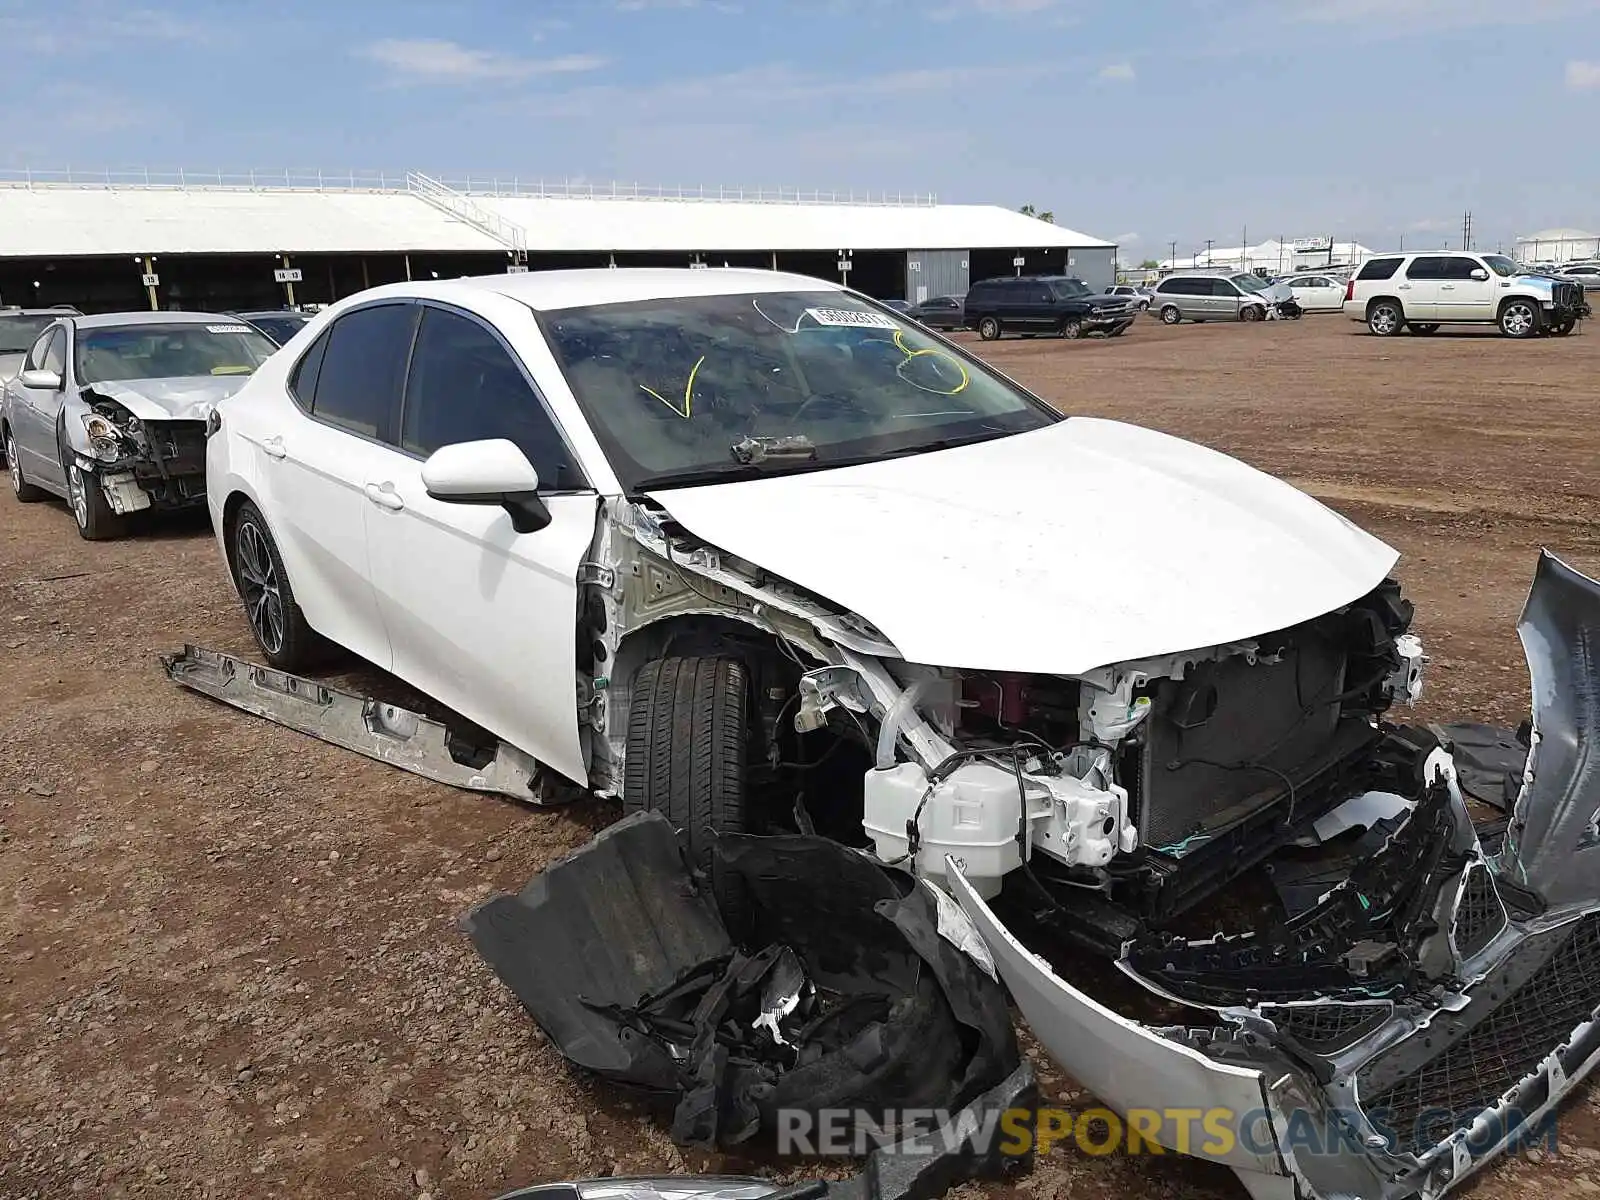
point(1385, 317)
point(989, 329)
point(1170, 315)
point(687, 748)
point(1520, 318)
point(24, 491)
point(286, 641)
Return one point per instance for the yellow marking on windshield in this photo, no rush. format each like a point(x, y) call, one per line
point(900, 345)
point(232, 370)
point(687, 410)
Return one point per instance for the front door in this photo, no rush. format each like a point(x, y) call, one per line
point(1463, 297)
point(34, 412)
point(481, 617)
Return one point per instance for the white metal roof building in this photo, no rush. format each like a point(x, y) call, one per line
point(337, 236)
point(1558, 245)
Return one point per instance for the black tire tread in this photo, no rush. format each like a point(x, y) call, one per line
point(688, 738)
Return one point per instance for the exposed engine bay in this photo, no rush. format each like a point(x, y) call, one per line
point(144, 464)
point(1411, 998)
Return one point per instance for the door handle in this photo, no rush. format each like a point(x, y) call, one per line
point(1402, 287)
point(384, 496)
point(274, 447)
point(1447, 287)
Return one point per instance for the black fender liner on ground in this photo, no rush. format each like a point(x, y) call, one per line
point(621, 956)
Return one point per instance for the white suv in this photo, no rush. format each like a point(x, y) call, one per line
point(1420, 292)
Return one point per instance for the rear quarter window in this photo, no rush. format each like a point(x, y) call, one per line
point(1379, 268)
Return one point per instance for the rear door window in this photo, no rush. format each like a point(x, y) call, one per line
point(1434, 267)
point(1379, 268)
point(358, 386)
point(1460, 268)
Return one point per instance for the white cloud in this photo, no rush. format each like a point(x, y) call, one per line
point(1583, 76)
point(1411, 16)
point(1124, 239)
point(1121, 72)
point(89, 25)
point(992, 8)
point(431, 60)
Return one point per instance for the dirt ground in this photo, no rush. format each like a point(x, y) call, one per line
point(229, 963)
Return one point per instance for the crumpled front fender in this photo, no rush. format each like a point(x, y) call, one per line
point(1552, 848)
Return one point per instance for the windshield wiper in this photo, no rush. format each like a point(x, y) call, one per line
point(751, 451)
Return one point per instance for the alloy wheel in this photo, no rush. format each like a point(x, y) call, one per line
point(258, 585)
point(78, 494)
point(1518, 319)
point(13, 467)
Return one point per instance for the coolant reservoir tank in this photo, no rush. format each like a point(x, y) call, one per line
point(972, 815)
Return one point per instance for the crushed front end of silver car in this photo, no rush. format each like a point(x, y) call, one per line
point(145, 440)
point(1426, 1012)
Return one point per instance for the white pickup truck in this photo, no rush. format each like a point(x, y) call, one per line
point(1420, 292)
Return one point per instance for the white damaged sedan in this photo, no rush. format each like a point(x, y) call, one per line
point(751, 550)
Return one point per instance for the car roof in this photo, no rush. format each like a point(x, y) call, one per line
point(548, 291)
point(120, 319)
point(272, 312)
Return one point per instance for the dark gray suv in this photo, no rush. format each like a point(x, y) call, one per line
point(1033, 304)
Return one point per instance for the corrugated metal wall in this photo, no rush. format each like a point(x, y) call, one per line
point(932, 273)
point(1094, 267)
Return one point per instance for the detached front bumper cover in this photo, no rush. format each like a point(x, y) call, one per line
point(1426, 1015)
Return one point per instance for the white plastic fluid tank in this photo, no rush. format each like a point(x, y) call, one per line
point(971, 815)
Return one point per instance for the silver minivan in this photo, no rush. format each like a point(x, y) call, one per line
point(1218, 296)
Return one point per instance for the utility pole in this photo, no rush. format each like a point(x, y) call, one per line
point(1174, 259)
point(1244, 247)
point(1208, 251)
point(1466, 230)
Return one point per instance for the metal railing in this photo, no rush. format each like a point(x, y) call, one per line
point(461, 206)
point(496, 186)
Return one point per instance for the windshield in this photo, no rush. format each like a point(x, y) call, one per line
point(1249, 283)
point(672, 386)
point(1500, 264)
point(1068, 288)
point(17, 333)
point(169, 351)
point(280, 327)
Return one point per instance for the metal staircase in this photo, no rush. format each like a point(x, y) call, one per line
point(462, 207)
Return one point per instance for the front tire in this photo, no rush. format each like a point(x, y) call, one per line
point(90, 509)
point(286, 640)
point(1170, 315)
point(1520, 318)
point(1386, 318)
point(1424, 328)
point(1563, 327)
point(24, 491)
point(1072, 330)
point(687, 748)
point(1252, 312)
point(989, 329)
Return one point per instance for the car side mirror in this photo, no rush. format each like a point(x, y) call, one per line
point(1480, 274)
point(40, 380)
point(488, 472)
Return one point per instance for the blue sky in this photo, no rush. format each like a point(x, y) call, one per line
point(1146, 121)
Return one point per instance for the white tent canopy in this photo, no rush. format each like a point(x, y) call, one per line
point(1276, 256)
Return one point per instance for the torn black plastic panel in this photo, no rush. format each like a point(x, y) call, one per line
point(623, 959)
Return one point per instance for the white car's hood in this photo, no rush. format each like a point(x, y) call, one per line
point(1086, 543)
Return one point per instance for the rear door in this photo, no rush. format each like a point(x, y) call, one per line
point(348, 384)
point(1418, 286)
point(1463, 298)
point(481, 617)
